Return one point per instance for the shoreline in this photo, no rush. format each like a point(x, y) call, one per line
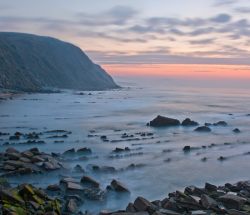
point(232, 199)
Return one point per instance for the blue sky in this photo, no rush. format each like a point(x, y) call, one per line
point(140, 31)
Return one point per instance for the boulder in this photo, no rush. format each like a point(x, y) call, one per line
point(210, 187)
point(203, 129)
point(231, 201)
point(189, 122)
point(84, 150)
point(208, 202)
point(236, 130)
point(119, 187)
point(142, 204)
point(86, 180)
point(161, 121)
point(11, 150)
point(69, 151)
point(54, 187)
point(186, 148)
point(220, 123)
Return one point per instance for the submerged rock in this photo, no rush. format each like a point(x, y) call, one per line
point(189, 122)
point(203, 129)
point(119, 187)
point(161, 121)
point(236, 130)
point(86, 180)
point(220, 123)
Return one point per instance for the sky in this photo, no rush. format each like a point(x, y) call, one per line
point(144, 36)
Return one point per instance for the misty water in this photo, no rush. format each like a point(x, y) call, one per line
point(163, 167)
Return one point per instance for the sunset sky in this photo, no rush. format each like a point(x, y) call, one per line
point(144, 36)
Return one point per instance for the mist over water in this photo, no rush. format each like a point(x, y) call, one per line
point(164, 167)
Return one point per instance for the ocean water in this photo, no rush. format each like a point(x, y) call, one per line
point(163, 166)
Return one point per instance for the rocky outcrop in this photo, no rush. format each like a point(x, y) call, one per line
point(32, 63)
point(162, 121)
point(228, 199)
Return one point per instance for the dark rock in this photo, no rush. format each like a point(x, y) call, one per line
point(103, 137)
point(84, 150)
point(210, 187)
point(130, 208)
point(119, 187)
point(142, 204)
point(14, 137)
point(207, 202)
point(220, 123)
point(236, 130)
point(189, 122)
point(11, 150)
point(231, 201)
point(186, 148)
point(203, 129)
point(118, 150)
point(207, 124)
point(86, 180)
point(161, 121)
point(236, 212)
point(221, 158)
point(54, 187)
point(69, 151)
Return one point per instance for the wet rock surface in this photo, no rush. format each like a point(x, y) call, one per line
point(161, 121)
point(208, 200)
point(13, 162)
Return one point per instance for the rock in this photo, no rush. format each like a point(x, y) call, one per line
point(236, 130)
point(69, 151)
point(84, 150)
point(71, 206)
point(130, 208)
point(86, 180)
point(236, 212)
point(51, 165)
point(118, 150)
point(13, 155)
point(11, 150)
point(35, 151)
point(37, 159)
point(103, 168)
point(142, 204)
point(13, 163)
point(161, 121)
point(25, 160)
point(221, 158)
point(103, 137)
point(14, 137)
point(27, 154)
point(186, 148)
point(203, 129)
point(54, 187)
point(74, 187)
point(231, 201)
point(207, 202)
point(210, 187)
point(119, 187)
point(189, 122)
point(220, 123)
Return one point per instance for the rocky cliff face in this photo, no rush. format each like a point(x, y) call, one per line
point(31, 63)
